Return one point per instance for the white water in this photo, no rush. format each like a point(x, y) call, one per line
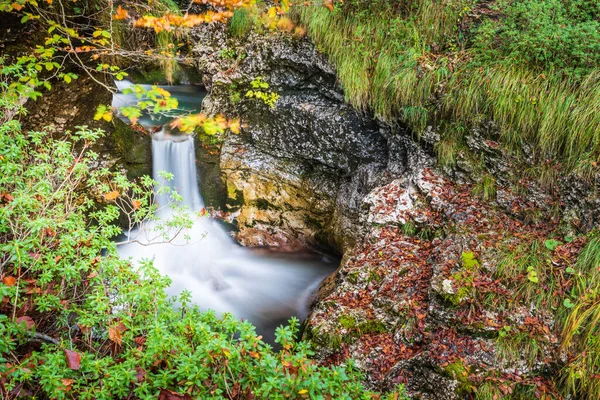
point(264, 288)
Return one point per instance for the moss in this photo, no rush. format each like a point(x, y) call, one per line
point(353, 277)
point(374, 277)
point(372, 326)
point(460, 372)
point(235, 197)
point(262, 204)
point(463, 279)
point(347, 321)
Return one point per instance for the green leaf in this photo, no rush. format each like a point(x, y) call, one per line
point(532, 275)
point(552, 244)
point(568, 304)
point(570, 270)
point(67, 78)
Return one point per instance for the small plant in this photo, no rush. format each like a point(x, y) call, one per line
point(269, 98)
point(241, 23)
point(485, 189)
point(228, 53)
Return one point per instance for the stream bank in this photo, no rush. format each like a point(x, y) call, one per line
point(423, 295)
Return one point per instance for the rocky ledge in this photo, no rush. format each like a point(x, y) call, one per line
point(439, 287)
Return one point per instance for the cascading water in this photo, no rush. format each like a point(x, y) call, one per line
point(264, 288)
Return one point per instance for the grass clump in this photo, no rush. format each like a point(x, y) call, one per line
point(241, 23)
point(581, 329)
point(485, 189)
point(530, 66)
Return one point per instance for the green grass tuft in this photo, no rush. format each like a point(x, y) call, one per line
point(241, 23)
point(427, 62)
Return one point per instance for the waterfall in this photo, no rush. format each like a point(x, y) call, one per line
point(177, 157)
point(267, 289)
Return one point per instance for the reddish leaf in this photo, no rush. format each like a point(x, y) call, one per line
point(140, 374)
point(166, 394)
point(26, 320)
point(67, 383)
point(73, 359)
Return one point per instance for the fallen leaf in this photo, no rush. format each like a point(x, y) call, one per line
point(9, 280)
point(67, 383)
point(115, 333)
point(73, 359)
point(27, 321)
point(140, 374)
point(110, 196)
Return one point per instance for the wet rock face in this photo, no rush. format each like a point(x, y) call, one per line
point(312, 145)
point(277, 202)
point(310, 120)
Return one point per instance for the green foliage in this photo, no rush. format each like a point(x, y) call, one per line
point(435, 63)
point(241, 23)
point(58, 256)
point(563, 37)
point(228, 53)
point(268, 98)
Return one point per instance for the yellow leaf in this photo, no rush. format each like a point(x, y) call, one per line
point(107, 117)
point(272, 13)
point(303, 391)
point(110, 196)
point(235, 126)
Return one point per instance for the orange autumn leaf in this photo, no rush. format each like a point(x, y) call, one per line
point(120, 14)
point(67, 383)
point(136, 204)
point(234, 126)
point(115, 333)
point(9, 280)
point(17, 6)
point(110, 196)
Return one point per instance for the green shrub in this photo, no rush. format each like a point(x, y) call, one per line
point(563, 37)
point(109, 329)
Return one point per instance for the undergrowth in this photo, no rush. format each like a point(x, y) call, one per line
point(530, 66)
point(76, 321)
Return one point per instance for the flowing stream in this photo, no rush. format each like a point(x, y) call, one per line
point(263, 287)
